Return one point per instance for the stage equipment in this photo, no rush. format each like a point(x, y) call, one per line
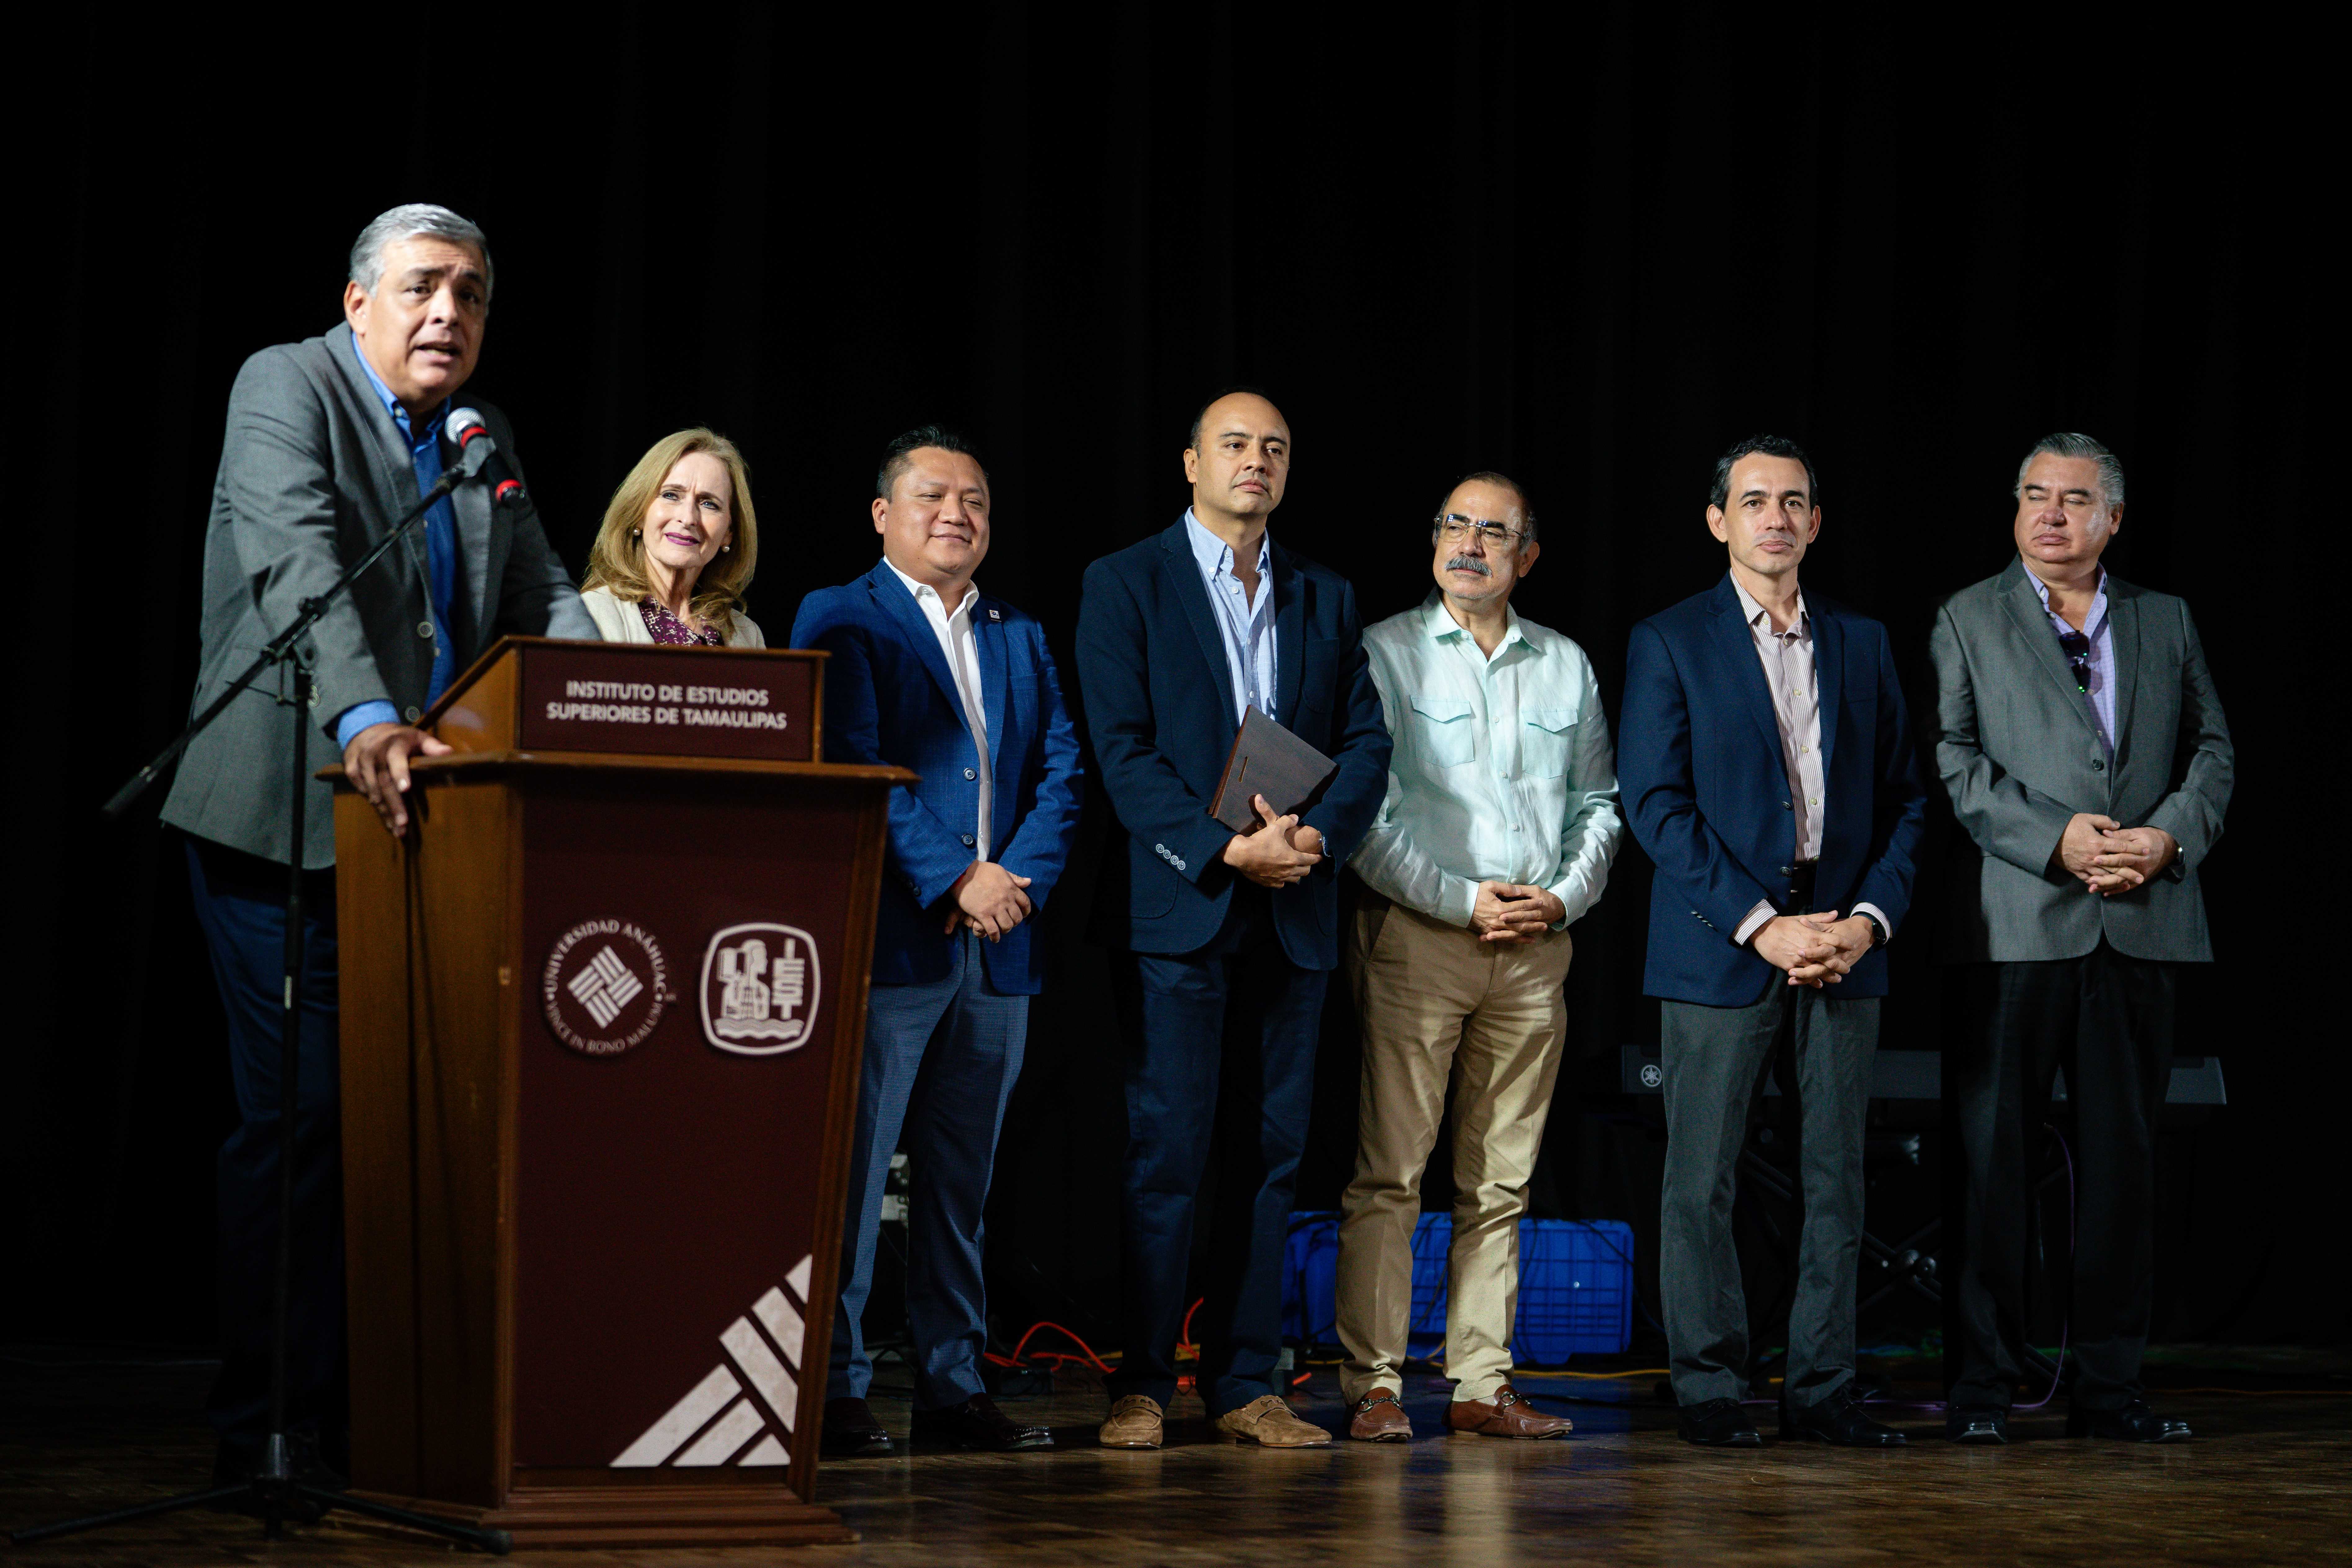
point(467, 427)
point(603, 1012)
point(274, 1487)
point(1905, 1083)
point(1575, 1298)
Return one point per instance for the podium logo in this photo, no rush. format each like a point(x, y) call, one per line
point(605, 987)
point(743, 1411)
point(759, 985)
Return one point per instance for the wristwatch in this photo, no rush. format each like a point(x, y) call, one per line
point(1878, 933)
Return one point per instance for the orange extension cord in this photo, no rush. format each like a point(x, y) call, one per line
point(1188, 1351)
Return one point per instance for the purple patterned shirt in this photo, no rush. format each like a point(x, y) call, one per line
point(667, 629)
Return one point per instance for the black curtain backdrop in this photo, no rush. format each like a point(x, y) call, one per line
point(1586, 247)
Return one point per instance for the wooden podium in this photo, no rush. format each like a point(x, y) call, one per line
point(601, 1011)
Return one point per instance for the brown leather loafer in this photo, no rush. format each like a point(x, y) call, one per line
point(1507, 1414)
point(1269, 1423)
point(1135, 1422)
point(1379, 1418)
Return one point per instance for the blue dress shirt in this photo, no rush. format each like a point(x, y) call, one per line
point(1248, 627)
point(440, 554)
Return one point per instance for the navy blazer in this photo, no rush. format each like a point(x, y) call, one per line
point(1159, 700)
point(1707, 793)
point(889, 698)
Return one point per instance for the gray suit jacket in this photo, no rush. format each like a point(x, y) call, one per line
point(2019, 755)
point(312, 474)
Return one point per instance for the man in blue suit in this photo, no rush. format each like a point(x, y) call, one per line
point(1228, 938)
point(930, 673)
point(1767, 770)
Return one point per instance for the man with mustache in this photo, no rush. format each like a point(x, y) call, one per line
point(330, 441)
point(2070, 704)
point(1225, 938)
point(1496, 834)
point(929, 673)
point(1767, 768)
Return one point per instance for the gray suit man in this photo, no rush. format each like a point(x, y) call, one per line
point(329, 442)
point(2086, 757)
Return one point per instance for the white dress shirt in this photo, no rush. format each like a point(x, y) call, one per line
point(953, 629)
point(1502, 769)
point(1787, 660)
point(1247, 624)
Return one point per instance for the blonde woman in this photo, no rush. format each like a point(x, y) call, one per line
point(676, 550)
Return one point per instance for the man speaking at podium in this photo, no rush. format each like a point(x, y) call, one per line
point(930, 673)
point(330, 442)
point(1228, 937)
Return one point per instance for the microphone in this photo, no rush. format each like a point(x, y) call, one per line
point(480, 452)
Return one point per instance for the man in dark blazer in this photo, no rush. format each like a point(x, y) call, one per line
point(1228, 938)
point(331, 441)
point(930, 673)
point(1767, 769)
point(2083, 744)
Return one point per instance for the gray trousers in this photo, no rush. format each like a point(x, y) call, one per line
point(1714, 1059)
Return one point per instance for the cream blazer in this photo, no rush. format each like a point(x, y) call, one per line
point(619, 620)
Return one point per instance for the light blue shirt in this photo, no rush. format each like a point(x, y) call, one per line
point(2101, 695)
point(440, 555)
point(1247, 627)
point(1502, 771)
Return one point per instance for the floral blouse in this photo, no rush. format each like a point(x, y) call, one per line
point(665, 627)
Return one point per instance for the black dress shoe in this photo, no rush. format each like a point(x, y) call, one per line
point(851, 1432)
point(1838, 1419)
point(977, 1423)
point(1979, 1426)
point(1717, 1424)
point(2134, 1422)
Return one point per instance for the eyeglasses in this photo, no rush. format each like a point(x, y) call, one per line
point(2077, 648)
point(1453, 528)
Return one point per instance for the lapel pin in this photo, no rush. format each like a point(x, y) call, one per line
point(995, 613)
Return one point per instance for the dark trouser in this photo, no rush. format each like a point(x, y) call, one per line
point(240, 906)
point(941, 1061)
point(1715, 1059)
point(2107, 1021)
point(1220, 1054)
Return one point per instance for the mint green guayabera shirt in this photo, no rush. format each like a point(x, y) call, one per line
point(1502, 770)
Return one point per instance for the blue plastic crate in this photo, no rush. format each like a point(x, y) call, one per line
point(1576, 1286)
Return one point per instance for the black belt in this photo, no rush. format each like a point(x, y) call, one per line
point(1799, 888)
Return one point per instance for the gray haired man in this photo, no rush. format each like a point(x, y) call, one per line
point(330, 442)
point(1495, 837)
point(2083, 747)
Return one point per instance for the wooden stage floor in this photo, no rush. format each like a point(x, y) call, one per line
point(2268, 1480)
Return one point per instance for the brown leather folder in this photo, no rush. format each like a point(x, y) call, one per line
point(1267, 760)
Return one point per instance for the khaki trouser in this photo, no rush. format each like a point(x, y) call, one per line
point(1436, 1003)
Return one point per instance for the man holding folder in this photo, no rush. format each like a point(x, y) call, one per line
point(1228, 937)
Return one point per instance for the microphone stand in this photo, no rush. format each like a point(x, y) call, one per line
point(274, 1487)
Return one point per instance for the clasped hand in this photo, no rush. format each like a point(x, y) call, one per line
point(1816, 950)
point(377, 763)
point(2109, 859)
point(1513, 913)
point(988, 898)
point(1278, 852)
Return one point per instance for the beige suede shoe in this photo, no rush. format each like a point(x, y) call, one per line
point(1269, 1423)
point(1134, 1424)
